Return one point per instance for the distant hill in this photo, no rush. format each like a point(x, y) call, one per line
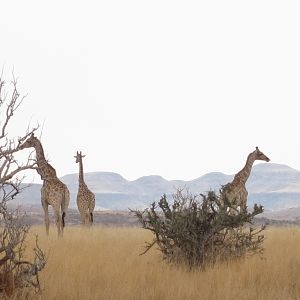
point(275, 186)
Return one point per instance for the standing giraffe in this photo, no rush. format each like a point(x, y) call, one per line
point(53, 191)
point(235, 191)
point(85, 198)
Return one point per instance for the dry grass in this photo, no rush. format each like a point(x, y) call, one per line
point(104, 263)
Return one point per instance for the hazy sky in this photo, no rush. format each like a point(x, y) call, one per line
point(175, 88)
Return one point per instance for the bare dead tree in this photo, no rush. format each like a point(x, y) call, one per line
point(16, 272)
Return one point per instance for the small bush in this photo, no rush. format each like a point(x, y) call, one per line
point(198, 230)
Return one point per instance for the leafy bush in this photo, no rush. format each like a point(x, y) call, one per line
point(199, 230)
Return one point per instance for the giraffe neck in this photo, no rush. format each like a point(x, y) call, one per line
point(40, 156)
point(44, 168)
point(243, 175)
point(81, 179)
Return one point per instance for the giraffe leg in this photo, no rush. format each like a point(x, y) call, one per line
point(62, 223)
point(45, 207)
point(87, 218)
point(63, 219)
point(91, 209)
point(58, 221)
point(82, 217)
point(90, 218)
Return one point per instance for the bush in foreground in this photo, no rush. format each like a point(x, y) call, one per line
point(198, 230)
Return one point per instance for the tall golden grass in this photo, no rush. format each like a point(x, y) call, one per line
point(104, 263)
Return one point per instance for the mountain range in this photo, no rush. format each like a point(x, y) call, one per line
point(275, 186)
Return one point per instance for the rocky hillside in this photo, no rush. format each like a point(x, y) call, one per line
point(275, 186)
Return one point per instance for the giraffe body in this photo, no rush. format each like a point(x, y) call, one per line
point(236, 191)
point(85, 198)
point(53, 191)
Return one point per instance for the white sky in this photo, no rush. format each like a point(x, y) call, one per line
point(175, 88)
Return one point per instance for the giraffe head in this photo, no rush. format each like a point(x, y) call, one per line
point(260, 156)
point(30, 142)
point(79, 156)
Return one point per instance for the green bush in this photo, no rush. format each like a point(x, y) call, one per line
point(198, 230)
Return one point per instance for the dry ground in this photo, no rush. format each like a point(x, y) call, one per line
point(104, 263)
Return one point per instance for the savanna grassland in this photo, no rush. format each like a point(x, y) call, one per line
point(104, 263)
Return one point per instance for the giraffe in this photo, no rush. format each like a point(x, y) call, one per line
point(85, 198)
point(235, 191)
point(53, 191)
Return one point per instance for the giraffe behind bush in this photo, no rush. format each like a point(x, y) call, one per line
point(236, 191)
